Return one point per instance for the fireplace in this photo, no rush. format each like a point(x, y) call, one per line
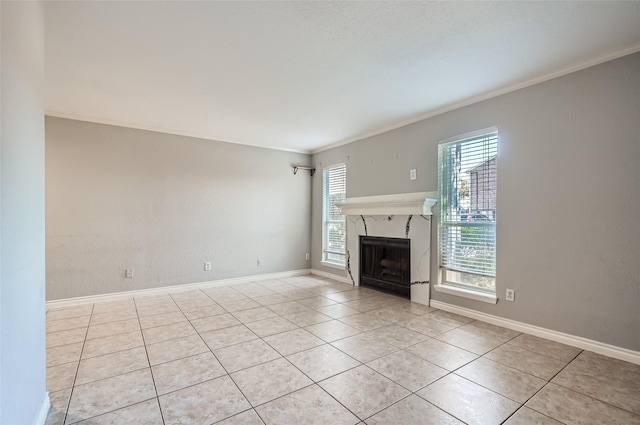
point(385, 264)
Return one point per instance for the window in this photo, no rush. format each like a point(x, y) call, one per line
point(467, 217)
point(334, 228)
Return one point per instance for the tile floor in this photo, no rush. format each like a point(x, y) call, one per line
point(307, 350)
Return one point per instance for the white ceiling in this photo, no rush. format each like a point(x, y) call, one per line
point(304, 75)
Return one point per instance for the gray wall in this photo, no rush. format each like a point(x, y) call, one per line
point(162, 205)
point(568, 236)
point(22, 263)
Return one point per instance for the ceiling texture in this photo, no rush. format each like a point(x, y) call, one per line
point(303, 76)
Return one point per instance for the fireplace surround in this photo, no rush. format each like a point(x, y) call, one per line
point(402, 216)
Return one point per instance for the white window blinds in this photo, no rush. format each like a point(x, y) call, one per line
point(334, 229)
point(467, 220)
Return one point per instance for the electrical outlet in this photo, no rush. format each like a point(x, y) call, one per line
point(307, 256)
point(207, 266)
point(128, 273)
point(511, 295)
point(259, 262)
point(413, 174)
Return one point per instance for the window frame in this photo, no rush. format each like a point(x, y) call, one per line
point(446, 285)
point(325, 260)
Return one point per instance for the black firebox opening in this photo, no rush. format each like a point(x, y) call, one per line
point(385, 265)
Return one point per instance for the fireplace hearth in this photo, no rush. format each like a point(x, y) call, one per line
point(385, 264)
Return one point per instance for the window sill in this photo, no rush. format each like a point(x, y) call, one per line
point(333, 265)
point(467, 293)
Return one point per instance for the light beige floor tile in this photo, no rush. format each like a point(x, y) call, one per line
point(441, 354)
point(345, 296)
point(297, 294)
point(213, 323)
point(526, 416)
point(185, 372)
point(276, 325)
point(201, 313)
point(451, 319)
point(64, 354)
point(364, 347)
point(294, 341)
point(288, 308)
point(249, 417)
point(509, 382)
point(153, 299)
point(337, 311)
point(55, 339)
point(309, 406)
point(398, 336)
point(59, 402)
point(110, 394)
point(243, 304)
point(488, 330)
point(363, 391)
point(111, 344)
point(145, 413)
point(610, 380)
point(271, 299)
point(103, 318)
point(162, 319)
point(393, 315)
point(254, 314)
point(228, 336)
point(572, 408)
point(415, 308)
point(413, 410)
point(113, 364)
point(61, 377)
point(113, 328)
point(552, 349)
point(322, 362)
point(194, 294)
point(316, 302)
point(369, 304)
point(268, 381)
point(167, 332)
point(246, 354)
point(407, 370)
point(204, 403)
point(364, 321)
point(67, 324)
point(195, 303)
point(467, 401)
point(469, 341)
point(69, 312)
point(332, 330)
point(425, 325)
point(253, 290)
point(154, 309)
point(227, 298)
point(175, 349)
point(307, 318)
point(114, 307)
point(526, 361)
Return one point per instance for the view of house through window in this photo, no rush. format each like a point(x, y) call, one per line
point(334, 228)
point(467, 220)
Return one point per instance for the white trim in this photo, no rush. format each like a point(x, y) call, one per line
point(174, 288)
point(343, 279)
point(483, 96)
point(575, 341)
point(467, 293)
point(334, 265)
point(398, 204)
point(44, 410)
point(116, 123)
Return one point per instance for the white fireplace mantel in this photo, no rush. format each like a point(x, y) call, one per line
point(399, 204)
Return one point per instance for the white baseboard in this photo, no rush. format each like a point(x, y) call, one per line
point(44, 410)
point(575, 341)
point(174, 288)
point(343, 279)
